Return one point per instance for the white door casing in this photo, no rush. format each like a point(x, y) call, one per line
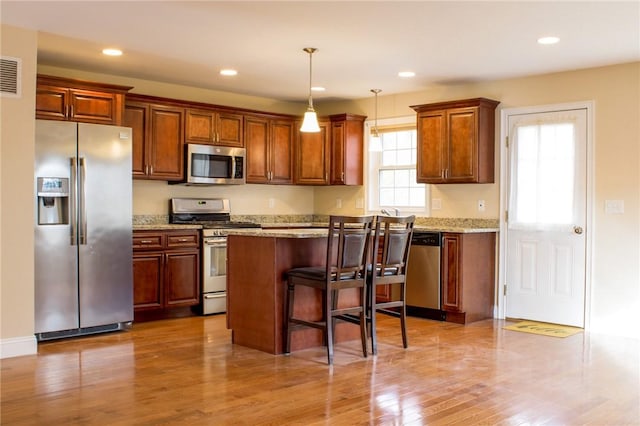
point(545, 189)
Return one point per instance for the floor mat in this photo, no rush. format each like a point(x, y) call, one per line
point(544, 328)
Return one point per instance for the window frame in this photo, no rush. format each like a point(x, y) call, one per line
point(371, 171)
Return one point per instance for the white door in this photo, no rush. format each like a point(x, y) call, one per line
point(546, 225)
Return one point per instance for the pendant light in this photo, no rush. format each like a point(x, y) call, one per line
point(310, 121)
point(375, 143)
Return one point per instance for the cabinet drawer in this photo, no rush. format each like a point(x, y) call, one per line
point(147, 241)
point(182, 240)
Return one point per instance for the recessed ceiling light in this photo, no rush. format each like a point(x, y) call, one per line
point(548, 40)
point(406, 74)
point(228, 72)
point(112, 52)
point(318, 89)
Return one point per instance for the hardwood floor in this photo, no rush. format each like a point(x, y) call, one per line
point(186, 371)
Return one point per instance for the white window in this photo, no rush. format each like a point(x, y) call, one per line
point(391, 177)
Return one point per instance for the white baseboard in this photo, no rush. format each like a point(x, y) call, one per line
point(18, 346)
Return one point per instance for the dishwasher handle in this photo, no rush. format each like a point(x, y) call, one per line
point(433, 239)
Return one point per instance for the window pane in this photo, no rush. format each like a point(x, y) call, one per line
point(416, 197)
point(402, 197)
point(402, 178)
point(386, 197)
point(389, 158)
point(387, 178)
point(393, 172)
point(404, 157)
point(404, 139)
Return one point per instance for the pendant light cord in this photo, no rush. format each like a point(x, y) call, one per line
point(310, 51)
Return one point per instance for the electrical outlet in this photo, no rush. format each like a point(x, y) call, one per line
point(436, 204)
point(338, 203)
point(272, 203)
point(359, 203)
point(480, 205)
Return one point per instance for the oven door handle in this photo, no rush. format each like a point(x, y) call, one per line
point(215, 295)
point(216, 243)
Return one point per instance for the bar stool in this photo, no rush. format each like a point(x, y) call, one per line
point(391, 243)
point(345, 267)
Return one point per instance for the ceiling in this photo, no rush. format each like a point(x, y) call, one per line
point(361, 45)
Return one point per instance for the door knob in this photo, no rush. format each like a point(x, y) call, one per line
point(577, 229)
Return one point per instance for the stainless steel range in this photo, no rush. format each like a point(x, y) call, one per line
point(214, 215)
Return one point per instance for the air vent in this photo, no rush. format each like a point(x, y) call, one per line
point(10, 71)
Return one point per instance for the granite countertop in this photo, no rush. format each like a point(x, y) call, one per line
point(308, 226)
point(163, 226)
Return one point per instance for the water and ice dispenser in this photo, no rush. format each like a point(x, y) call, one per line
point(53, 201)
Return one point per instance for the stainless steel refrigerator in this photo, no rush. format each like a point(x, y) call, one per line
point(83, 229)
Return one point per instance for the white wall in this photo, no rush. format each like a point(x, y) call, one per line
point(16, 200)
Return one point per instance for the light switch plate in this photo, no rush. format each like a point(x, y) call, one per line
point(614, 206)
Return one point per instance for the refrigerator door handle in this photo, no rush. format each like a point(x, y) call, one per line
point(73, 201)
point(82, 211)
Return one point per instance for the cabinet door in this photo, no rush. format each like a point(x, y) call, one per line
point(52, 102)
point(256, 131)
point(136, 116)
point(462, 141)
point(147, 280)
point(94, 107)
point(451, 270)
point(281, 151)
point(337, 153)
point(165, 143)
point(229, 128)
point(312, 156)
point(182, 278)
point(199, 126)
point(347, 132)
point(431, 147)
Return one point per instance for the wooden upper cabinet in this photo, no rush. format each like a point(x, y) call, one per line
point(313, 155)
point(269, 144)
point(214, 127)
point(347, 133)
point(75, 100)
point(456, 141)
point(157, 140)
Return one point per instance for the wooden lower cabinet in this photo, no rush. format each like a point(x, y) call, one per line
point(166, 273)
point(468, 276)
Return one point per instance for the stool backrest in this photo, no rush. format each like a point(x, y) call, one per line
point(348, 247)
point(391, 243)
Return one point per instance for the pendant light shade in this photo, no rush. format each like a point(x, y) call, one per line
point(375, 143)
point(310, 121)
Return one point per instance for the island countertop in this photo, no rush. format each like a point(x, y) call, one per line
point(322, 232)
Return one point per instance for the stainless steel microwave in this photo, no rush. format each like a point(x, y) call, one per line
point(214, 165)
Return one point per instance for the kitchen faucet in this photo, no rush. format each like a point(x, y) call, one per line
point(386, 212)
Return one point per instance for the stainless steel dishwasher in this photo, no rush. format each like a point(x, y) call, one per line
point(423, 276)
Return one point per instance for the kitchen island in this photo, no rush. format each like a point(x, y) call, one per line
point(257, 261)
point(256, 283)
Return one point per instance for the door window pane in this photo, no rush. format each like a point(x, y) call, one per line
point(543, 185)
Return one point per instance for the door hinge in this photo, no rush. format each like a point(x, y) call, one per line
point(504, 292)
point(507, 141)
point(506, 215)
